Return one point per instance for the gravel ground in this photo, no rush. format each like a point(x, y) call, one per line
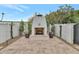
point(50, 46)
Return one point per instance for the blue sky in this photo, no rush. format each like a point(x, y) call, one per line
point(16, 12)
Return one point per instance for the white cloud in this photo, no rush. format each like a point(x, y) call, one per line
point(24, 7)
point(19, 8)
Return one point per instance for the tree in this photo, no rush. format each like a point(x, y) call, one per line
point(30, 27)
point(67, 14)
point(51, 18)
point(2, 16)
point(30, 24)
point(21, 27)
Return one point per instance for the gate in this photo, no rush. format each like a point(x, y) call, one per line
point(76, 33)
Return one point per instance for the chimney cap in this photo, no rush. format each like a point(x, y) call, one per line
point(39, 15)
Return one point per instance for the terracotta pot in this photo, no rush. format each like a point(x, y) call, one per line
point(27, 35)
point(50, 35)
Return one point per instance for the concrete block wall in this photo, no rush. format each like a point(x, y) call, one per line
point(67, 32)
point(5, 31)
point(15, 29)
point(26, 28)
point(57, 29)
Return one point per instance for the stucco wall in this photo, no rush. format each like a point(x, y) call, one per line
point(26, 28)
point(5, 31)
point(15, 29)
point(57, 29)
point(67, 32)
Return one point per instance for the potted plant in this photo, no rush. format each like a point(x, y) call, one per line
point(26, 35)
point(21, 28)
point(51, 34)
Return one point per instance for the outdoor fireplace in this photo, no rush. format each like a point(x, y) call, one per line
point(39, 31)
point(39, 25)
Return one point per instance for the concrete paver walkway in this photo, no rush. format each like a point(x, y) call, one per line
point(25, 45)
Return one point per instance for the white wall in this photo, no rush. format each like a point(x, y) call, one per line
point(57, 29)
point(67, 32)
point(5, 29)
point(4, 32)
point(26, 28)
point(15, 29)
